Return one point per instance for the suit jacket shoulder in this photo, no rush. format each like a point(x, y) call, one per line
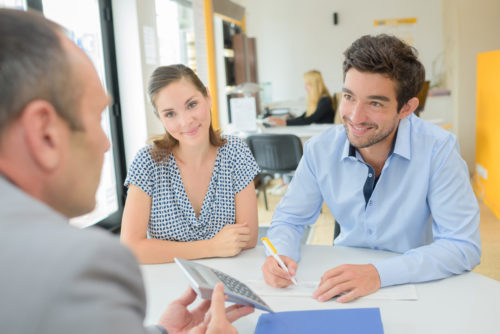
point(59, 279)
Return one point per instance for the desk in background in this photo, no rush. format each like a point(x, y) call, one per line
point(304, 132)
point(467, 303)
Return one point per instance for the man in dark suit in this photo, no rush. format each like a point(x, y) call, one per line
point(55, 278)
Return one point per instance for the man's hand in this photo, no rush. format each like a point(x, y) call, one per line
point(277, 277)
point(220, 318)
point(350, 280)
point(178, 319)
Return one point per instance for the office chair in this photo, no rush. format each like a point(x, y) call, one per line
point(275, 154)
point(336, 229)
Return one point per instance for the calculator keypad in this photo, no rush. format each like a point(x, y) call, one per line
point(237, 287)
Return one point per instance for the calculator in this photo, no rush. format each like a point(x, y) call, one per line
point(203, 280)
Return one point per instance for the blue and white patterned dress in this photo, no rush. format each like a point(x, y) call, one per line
point(172, 215)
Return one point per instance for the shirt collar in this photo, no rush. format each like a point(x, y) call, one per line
point(349, 150)
point(401, 147)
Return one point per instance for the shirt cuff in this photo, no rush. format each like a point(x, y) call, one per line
point(157, 329)
point(392, 271)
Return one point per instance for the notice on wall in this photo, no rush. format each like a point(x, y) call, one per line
point(243, 113)
point(403, 28)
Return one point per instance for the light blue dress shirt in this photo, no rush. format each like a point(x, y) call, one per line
point(422, 206)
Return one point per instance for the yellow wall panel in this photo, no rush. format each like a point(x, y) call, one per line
point(487, 172)
point(212, 79)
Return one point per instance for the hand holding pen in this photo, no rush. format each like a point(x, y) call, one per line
point(281, 275)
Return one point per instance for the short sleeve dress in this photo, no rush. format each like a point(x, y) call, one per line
point(172, 216)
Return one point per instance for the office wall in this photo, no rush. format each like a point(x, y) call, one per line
point(470, 27)
point(294, 36)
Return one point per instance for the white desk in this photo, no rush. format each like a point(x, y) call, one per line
point(304, 132)
point(468, 303)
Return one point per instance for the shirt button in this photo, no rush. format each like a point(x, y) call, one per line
point(370, 175)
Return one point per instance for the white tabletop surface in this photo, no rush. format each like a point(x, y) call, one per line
point(468, 303)
point(304, 132)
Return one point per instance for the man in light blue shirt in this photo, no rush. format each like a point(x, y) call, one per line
point(392, 181)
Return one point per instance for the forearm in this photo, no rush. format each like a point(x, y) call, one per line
point(253, 226)
point(299, 207)
point(456, 248)
point(322, 113)
point(246, 212)
point(252, 242)
point(442, 258)
point(301, 120)
point(151, 251)
point(286, 239)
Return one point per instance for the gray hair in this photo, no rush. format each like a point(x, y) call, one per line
point(34, 65)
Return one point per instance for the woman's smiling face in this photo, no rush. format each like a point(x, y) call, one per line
point(184, 112)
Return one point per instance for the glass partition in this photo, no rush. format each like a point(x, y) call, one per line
point(175, 27)
point(82, 20)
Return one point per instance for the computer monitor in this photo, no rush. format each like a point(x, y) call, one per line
point(422, 97)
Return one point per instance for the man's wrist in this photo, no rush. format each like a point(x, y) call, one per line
point(158, 329)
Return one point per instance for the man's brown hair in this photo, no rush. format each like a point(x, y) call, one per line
point(390, 56)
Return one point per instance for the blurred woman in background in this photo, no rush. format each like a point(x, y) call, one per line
point(319, 104)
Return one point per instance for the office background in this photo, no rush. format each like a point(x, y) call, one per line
point(449, 34)
point(292, 37)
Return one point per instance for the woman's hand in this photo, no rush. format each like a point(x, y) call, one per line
point(276, 121)
point(230, 240)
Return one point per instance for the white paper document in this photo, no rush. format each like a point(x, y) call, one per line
point(243, 113)
point(306, 289)
point(302, 289)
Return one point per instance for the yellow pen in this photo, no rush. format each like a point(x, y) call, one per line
point(267, 243)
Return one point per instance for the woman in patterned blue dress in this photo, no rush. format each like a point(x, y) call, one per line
point(192, 190)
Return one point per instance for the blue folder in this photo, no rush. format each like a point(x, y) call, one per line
point(345, 321)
